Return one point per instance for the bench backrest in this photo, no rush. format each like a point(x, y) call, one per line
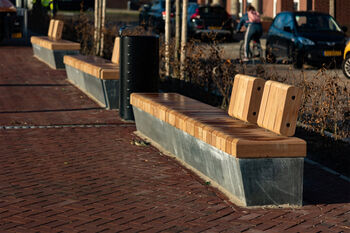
point(246, 98)
point(55, 29)
point(50, 31)
point(279, 108)
point(116, 51)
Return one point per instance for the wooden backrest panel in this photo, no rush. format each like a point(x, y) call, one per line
point(246, 98)
point(51, 26)
point(116, 51)
point(279, 108)
point(57, 30)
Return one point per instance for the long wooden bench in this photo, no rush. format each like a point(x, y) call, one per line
point(51, 48)
point(255, 164)
point(97, 77)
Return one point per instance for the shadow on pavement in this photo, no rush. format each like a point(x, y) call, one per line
point(52, 110)
point(321, 187)
point(34, 85)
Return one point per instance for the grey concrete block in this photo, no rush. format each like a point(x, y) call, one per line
point(254, 182)
point(106, 92)
point(54, 58)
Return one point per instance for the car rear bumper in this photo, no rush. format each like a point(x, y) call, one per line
point(318, 56)
point(213, 31)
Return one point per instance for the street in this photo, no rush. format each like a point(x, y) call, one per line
point(231, 51)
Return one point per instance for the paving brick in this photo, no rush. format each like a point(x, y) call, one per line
point(91, 179)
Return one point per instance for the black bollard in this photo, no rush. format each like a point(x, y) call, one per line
point(139, 69)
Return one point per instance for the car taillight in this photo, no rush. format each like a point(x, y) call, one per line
point(196, 15)
point(164, 15)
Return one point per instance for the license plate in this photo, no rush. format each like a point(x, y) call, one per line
point(214, 28)
point(17, 35)
point(332, 53)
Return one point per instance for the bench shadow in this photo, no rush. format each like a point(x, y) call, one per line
point(53, 110)
point(321, 187)
point(34, 85)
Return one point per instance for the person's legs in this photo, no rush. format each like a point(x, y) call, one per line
point(247, 39)
point(257, 28)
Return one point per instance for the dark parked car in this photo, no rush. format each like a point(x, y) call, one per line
point(306, 37)
point(151, 15)
point(208, 20)
point(10, 22)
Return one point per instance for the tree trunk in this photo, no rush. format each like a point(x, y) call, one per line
point(102, 27)
point(235, 7)
point(177, 30)
point(97, 27)
point(217, 2)
point(332, 8)
point(183, 39)
point(167, 37)
point(256, 4)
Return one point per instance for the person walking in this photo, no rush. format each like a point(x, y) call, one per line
point(251, 21)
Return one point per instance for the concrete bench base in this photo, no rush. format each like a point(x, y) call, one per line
point(251, 182)
point(105, 92)
point(54, 58)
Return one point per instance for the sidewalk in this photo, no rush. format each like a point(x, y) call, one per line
point(78, 170)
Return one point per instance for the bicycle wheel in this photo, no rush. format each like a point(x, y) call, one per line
point(258, 52)
point(255, 50)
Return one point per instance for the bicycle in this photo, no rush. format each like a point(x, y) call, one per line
point(255, 51)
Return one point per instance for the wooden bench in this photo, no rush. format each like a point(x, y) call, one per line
point(255, 164)
point(51, 48)
point(97, 77)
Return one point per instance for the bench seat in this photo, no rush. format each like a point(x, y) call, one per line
point(52, 44)
point(51, 49)
point(251, 165)
point(213, 126)
point(96, 76)
point(93, 65)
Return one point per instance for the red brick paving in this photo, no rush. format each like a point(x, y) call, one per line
point(94, 179)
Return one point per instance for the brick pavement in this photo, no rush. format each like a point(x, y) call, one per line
point(94, 179)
